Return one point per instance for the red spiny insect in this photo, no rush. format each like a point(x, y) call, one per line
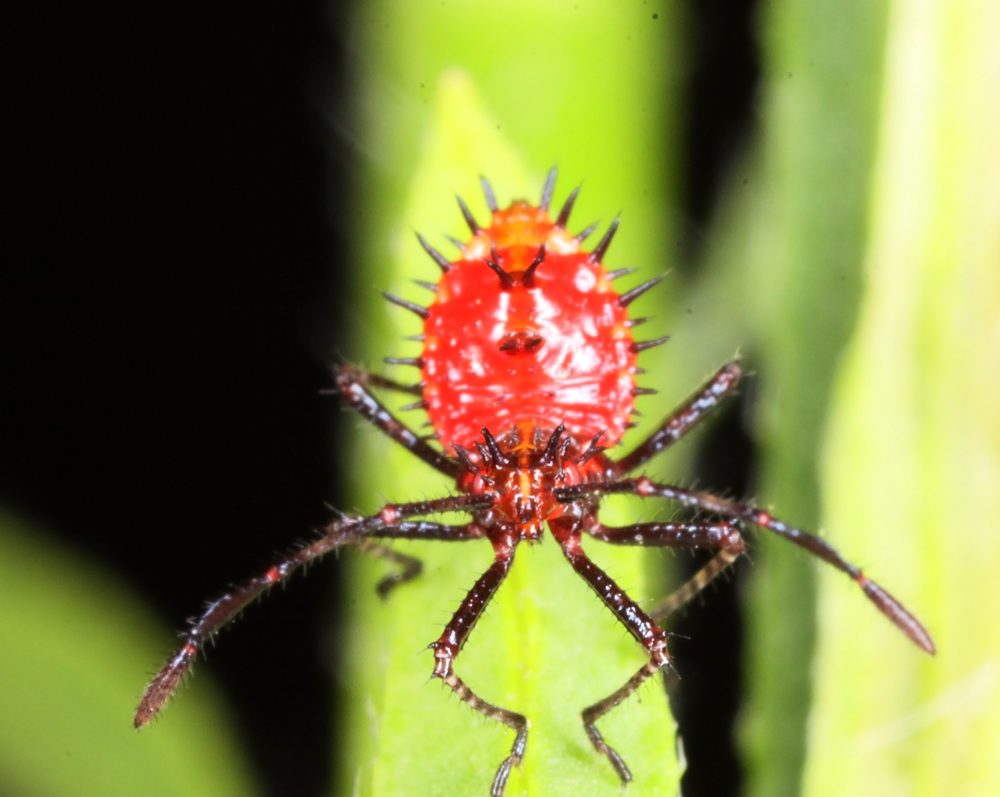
point(528, 365)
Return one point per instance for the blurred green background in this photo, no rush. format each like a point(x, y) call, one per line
point(852, 256)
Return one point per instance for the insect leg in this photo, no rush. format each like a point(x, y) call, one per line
point(446, 648)
point(684, 419)
point(679, 535)
point(221, 611)
point(351, 384)
point(885, 602)
point(638, 623)
point(411, 567)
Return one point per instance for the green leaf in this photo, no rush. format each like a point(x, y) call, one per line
point(912, 471)
point(539, 84)
point(76, 649)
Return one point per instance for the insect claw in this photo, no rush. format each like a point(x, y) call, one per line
point(429, 285)
point(491, 198)
point(635, 322)
point(436, 256)
point(469, 218)
point(598, 254)
point(567, 208)
point(416, 405)
point(644, 391)
point(548, 188)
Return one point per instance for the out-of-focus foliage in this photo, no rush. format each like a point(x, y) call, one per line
point(76, 648)
point(912, 466)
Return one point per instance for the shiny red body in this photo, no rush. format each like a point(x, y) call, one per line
point(527, 357)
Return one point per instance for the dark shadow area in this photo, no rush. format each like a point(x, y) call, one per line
point(719, 117)
point(168, 242)
point(719, 113)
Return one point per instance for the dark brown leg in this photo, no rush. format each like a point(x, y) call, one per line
point(411, 567)
point(638, 623)
point(344, 531)
point(646, 488)
point(679, 535)
point(351, 384)
point(682, 421)
point(446, 649)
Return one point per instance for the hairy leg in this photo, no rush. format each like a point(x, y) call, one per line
point(636, 621)
point(679, 535)
point(352, 386)
point(221, 611)
point(684, 419)
point(446, 649)
point(646, 488)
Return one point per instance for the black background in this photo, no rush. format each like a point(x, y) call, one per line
point(168, 311)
